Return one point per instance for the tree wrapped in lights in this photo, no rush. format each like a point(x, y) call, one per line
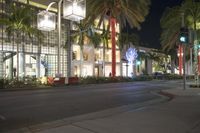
point(131, 56)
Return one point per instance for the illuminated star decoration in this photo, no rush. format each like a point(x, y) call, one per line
point(131, 55)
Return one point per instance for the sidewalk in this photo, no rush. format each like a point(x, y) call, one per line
point(180, 115)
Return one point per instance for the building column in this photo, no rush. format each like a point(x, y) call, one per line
point(1, 64)
point(38, 62)
point(149, 66)
point(11, 68)
point(69, 50)
point(21, 65)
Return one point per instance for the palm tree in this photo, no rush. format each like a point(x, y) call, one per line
point(19, 21)
point(125, 39)
point(120, 11)
point(171, 24)
point(85, 33)
point(192, 13)
point(124, 42)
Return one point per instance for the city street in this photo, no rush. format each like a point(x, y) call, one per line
point(20, 109)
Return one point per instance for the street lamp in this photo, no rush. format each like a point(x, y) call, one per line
point(74, 10)
point(46, 21)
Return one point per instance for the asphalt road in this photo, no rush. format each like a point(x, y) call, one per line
point(29, 107)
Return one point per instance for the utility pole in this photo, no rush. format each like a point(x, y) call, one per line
point(183, 44)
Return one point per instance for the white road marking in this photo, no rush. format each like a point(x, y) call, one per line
point(2, 117)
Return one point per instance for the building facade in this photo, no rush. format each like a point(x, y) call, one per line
point(39, 58)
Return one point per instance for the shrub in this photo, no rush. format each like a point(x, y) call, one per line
point(96, 80)
point(1, 83)
point(143, 78)
point(172, 76)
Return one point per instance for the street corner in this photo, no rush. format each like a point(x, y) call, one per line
point(181, 92)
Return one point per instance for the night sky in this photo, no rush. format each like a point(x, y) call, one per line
point(150, 32)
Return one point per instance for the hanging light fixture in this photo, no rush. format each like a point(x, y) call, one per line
point(74, 10)
point(46, 21)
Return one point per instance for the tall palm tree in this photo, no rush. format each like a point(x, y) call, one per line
point(117, 11)
point(85, 31)
point(125, 39)
point(105, 36)
point(171, 24)
point(18, 21)
point(191, 9)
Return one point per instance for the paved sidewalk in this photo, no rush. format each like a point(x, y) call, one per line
point(180, 115)
point(181, 92)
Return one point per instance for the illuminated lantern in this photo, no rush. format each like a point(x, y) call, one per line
point(74, 10)
point(46, 21)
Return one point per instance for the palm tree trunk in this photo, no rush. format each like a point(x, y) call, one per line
point(195, 55)
point(113, 34)
point(11, 68)
point(1, 65)
point(172, 65)
point(22, 61)
point(104, 52)
point(38, 61)
point(17, 57)
point(81, 61)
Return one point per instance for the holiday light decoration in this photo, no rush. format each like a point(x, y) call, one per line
point(131, 55)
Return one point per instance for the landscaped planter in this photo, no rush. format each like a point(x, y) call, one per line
point(73, 80)
point(194, 85)
point(59, 81)
point(1, 84)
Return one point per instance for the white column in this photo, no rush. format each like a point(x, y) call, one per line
point(38, 61)
point(11, 68)
point(149, 66)
point(1, 64)
point(21, 65)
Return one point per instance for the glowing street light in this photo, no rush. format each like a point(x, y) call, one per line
point(138, 62)
point(46, 21)
point(74, 10)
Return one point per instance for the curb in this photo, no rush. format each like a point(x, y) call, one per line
point(169, 95)
point(25, 89)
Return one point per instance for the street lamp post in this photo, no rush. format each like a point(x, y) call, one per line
point(183, 44)
point(74, 10)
